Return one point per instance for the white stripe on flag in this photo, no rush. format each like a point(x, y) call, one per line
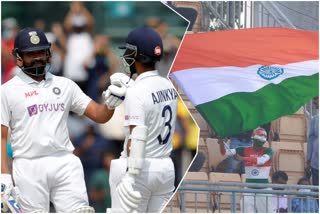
point(203, 85)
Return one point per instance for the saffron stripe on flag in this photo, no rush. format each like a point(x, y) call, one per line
point(246, 47)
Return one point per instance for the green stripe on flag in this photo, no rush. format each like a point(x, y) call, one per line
point(230, 114)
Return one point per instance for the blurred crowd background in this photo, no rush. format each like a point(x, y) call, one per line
point(84, 38)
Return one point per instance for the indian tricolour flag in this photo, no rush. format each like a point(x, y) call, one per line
point(240, 79)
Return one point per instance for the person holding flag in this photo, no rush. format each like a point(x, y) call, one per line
point(257, 160)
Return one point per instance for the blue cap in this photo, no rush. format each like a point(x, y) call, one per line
point(146, 40)
point(31, 39)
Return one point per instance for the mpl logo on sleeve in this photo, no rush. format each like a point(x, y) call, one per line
point(270, 72)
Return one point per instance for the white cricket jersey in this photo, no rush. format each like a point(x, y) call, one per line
point(152, 101)
point(37, 112)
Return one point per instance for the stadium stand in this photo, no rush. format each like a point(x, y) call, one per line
point(173, 206)
point(288, 140)
point(289, 148)
point(194, 5)
point(293, 128)
point(214, 156)
point(203, 148)
point(168, 209)
point(197, 201)
point(289, 157)
point(223, 200)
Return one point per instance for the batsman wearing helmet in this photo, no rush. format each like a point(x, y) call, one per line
point(257, 160)
point(142, 180)
point(34, 106)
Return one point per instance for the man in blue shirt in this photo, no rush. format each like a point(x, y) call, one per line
point(313, 145)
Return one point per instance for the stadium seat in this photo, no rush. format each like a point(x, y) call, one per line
point(223, 199)
point(189, 105)
point(203, 148)
point(174, 201)
point(293, 128)
point(197, 210)
point(196, 176)
point(194, 199)
point(215, 157)
point(304, 147)
point(300, 112)
point(204, 128)
point(294, 178)
point(289, 157)
point(290, 148)
point(196, 6)
point(169, 209)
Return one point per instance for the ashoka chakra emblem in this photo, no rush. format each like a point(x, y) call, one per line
point(255, 172)
point(270, 72)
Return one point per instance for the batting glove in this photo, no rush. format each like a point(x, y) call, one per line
point(121, 79)
point(6, 188)
point(129, 198)
point(114, 96)
point(116, 92)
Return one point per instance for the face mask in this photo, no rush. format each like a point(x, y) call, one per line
point(258, 143)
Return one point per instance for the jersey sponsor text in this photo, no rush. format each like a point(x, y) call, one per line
point(31, 93)
point(37, 108)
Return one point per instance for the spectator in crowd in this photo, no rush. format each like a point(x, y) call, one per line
point(237, 141)
point(9, 31)
point(170, 44)
point(185, 139)
point(198, 162)
point(301, 204)
point(79, 46)
point(40, 24)
point(257, 161)
point(100, 66)
point(240, 140)
point(57, 55)
point(88, 148)
point(313, 145)
point(189, 13)
point(113, 130)
point(99, 189)
point(78, 9)
point(280, 202)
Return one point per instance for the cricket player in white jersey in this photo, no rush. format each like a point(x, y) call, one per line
point(142, 180)
point(34, 106)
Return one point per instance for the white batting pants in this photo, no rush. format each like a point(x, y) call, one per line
point(58, 178)
point(155, 183)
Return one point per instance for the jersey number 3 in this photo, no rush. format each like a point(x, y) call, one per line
point(167, 123)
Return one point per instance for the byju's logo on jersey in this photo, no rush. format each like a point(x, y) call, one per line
point(46, 107)
point(270, 72)
point(33, 110)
